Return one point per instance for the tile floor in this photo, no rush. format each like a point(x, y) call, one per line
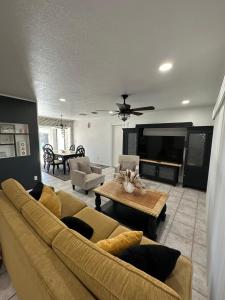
point(184, 229)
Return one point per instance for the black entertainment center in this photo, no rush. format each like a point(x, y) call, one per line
point(166, 155)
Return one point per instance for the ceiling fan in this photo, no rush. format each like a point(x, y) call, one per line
point(125, 109)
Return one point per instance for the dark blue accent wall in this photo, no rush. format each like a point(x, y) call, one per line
point(24, 168)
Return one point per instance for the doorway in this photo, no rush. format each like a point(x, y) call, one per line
point(117, 143)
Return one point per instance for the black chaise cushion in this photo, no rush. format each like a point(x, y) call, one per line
point(37, 190)
point(156, 260)
point(78, 225)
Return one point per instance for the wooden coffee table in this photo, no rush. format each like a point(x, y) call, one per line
point(150, 202)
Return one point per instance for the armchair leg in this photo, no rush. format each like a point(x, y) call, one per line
point(53, 169)
point(86, 192)
point(73, 186)
point(101, 183)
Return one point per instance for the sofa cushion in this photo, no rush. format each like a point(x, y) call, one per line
point(78, 225)
point(37, 190)
point(106, 276)
point(70, 204)
point(121, 242)
point(42, 220)
point(103, 226)
point(51, 201)
point(156, 260)
point(16, 193)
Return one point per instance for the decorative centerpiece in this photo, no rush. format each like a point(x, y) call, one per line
point(130, 180)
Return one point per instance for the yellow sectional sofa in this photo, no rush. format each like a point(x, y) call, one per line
point(47, 260)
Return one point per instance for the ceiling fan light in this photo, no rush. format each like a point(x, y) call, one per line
point(123, 116)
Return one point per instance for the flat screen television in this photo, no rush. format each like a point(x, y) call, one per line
point(162, 148)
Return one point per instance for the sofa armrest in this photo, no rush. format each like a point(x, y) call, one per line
point(71, 205)
point(97, 170)
point(78, 177)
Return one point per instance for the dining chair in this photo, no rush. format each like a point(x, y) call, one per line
point(46, 146)
point(80, 152)
point(50, 159)
point(72, 148)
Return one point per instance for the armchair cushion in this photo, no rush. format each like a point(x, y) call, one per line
point(84, 166)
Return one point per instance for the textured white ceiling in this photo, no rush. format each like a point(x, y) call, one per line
point(91, 51)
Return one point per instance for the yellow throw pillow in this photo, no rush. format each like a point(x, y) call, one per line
point(51, 201)
point(121, 242)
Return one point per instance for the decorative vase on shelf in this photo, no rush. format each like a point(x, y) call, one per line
point(128, 187)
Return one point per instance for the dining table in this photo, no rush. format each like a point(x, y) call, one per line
point(64, 155)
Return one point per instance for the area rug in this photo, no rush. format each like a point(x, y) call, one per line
point(58, 173)
point(99, 165)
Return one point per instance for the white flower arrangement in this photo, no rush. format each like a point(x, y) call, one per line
point(130, 180)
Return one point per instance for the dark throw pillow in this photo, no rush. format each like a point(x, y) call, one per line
point(37, 190)
point(156, 260)
point(79, 226)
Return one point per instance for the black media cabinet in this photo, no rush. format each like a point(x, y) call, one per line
point(160, 170)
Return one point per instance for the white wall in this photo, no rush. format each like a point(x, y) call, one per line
point(216, 204)
point(97, 139)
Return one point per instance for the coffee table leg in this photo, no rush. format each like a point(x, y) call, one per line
point(162, 215)
point(152, 225)
point(97, 202)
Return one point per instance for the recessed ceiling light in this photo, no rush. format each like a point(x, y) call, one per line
point(62, 100)
point(165, 67)
point(111, 112)
point(184, 102)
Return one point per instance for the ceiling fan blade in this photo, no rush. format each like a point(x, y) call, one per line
point(136, 113)
point(102, 110)
point(123, 106)
point(107, 110)
point(143, 108)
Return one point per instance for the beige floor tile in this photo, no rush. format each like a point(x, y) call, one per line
point(197, 296)
point(199, 279)
point(199, 254)
point(186, 202)
point(183, 230)
point(187, 210)
point(175, 241)
point(200, 225)
point(185, 219)
point(200, 237)
point(15, 297)
point(6, 288)
point(190, 198)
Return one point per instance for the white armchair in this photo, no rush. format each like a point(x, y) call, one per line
point(130, 162)
point(84, 175)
